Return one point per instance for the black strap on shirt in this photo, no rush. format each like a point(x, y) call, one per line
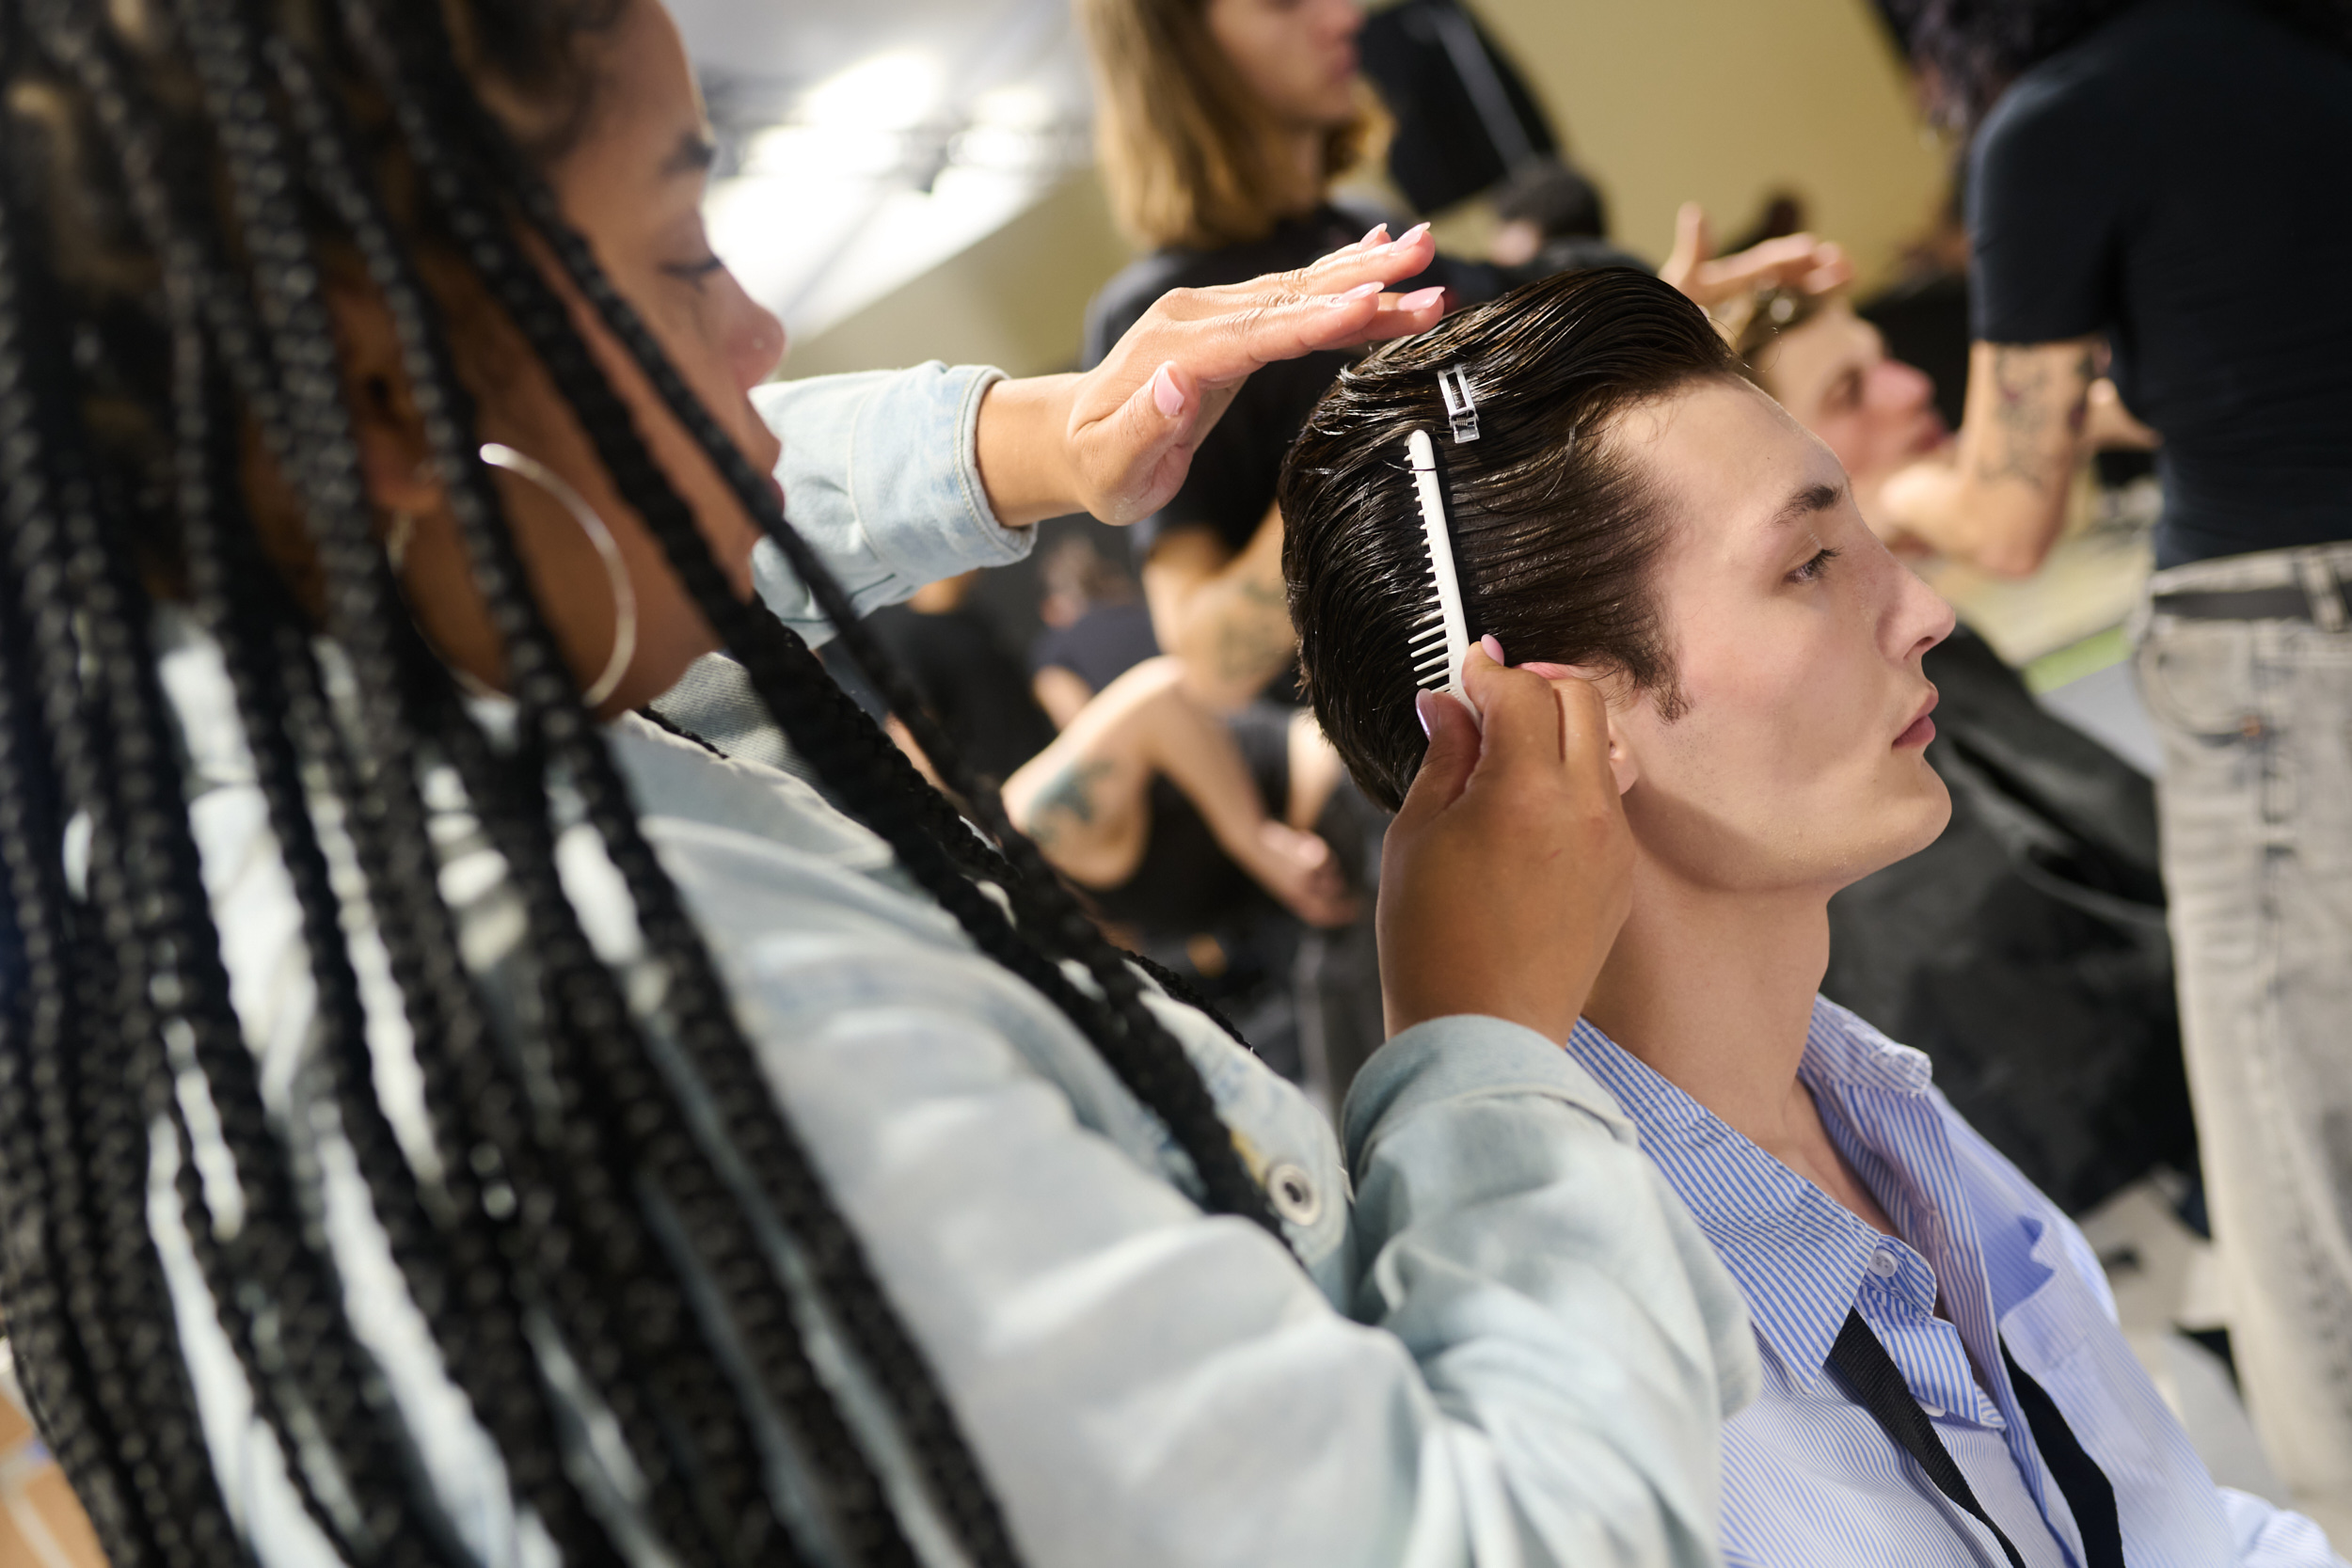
point(1863, 1365)
point(2088, 1493)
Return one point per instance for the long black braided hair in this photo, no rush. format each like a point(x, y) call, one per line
point(177, 177)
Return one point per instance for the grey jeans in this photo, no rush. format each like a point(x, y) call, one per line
point(2256, 803)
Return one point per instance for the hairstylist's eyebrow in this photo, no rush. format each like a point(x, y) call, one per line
point(1806, 502)
point(693, 154)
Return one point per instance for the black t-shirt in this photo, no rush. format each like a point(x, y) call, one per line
point(1232, 481)
point(1100, 646)
point(2182, 180)
point(974, 688)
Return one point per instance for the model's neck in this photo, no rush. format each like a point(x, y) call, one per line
point(1714, 993)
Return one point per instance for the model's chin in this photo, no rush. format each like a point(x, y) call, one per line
point(1912, 816)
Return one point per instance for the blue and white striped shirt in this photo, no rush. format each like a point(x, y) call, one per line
point(1810, 1479)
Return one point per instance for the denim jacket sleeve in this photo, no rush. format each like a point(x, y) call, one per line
point(881, 474)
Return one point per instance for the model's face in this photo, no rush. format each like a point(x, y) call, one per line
point(632, 186)
point(1877, 414)
point(1798, 760)
point(1298, 57)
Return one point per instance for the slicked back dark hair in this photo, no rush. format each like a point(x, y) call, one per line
point(173, 176)
point(1554, 527)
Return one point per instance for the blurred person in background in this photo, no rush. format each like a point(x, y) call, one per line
point(1221, 126)
point(2171, 180)
point(1550, 218)
point(1099, 801)
point(971, 685)
point(1095, 628)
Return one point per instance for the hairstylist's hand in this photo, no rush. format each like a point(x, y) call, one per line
point(1797, 262)
point(1509, 869)
point(1116, 441)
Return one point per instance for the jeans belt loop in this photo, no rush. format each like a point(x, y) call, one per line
point(2327, 593)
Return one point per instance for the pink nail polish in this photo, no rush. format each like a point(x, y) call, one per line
point(1361, 290)
point(1424, 703)
point(1421, 299)
point(1376, 231)
point(1493, 645)
point(1409, 235)
point(1166, 395)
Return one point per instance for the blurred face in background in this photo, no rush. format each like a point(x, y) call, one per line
point(1831, 373)
point(1296, 57)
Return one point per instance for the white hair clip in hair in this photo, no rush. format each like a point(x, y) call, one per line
point(1440, 640)
point(1459, 407)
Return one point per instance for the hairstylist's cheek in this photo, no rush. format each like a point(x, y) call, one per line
point(755, 337)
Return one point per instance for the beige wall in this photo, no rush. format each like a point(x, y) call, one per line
point(1719, 100)
point(1713, 100)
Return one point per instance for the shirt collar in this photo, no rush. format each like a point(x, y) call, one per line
point(1799, 1257)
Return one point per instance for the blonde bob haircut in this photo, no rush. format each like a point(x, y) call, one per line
point(1183, 142)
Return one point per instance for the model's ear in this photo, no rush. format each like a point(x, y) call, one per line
point(1622, 766)
point(395, 456)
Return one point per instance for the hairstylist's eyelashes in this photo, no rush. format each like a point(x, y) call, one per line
point(1815, 565)
point(697, 272)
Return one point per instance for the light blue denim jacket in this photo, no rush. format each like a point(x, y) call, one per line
point(1508, 1343)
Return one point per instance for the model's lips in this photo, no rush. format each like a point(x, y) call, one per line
point(1921, 728)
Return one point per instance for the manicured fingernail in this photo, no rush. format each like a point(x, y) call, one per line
point(1493, 645)
point(1361, 290)
point(1421, 299)
point(1376, 231)
point(1424, 709)
point(1409, 235)
point(1166, 395)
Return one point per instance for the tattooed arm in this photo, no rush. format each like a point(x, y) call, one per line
point(1224, 615)
point(1999, 503)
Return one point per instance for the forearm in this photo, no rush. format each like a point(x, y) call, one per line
point(1148, 1387)
point(1232, 628)
point(881, 477)
point(1193, 747)
point(2001, 501)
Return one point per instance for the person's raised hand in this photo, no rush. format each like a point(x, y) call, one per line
point(1508, 870)
point(1795, 262)
point(1117, 441)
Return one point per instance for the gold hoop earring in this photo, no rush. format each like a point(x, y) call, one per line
point(525, 466)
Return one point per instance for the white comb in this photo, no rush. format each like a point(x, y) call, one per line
point(1440, 639)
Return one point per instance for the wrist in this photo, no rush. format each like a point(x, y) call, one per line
point(1022, 447)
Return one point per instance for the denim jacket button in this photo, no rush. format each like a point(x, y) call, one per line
point(1293, 1191)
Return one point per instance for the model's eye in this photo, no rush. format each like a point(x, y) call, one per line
point(1815, 566)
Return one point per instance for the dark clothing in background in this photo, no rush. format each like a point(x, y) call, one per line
point(1185, 882)
point(2182, 180)
point(976, 690)
point(2025, 950)
point(1099, 646)
point(1232, 481)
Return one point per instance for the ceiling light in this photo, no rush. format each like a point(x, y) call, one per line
point(893, 92)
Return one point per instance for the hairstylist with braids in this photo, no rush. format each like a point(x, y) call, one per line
point(442, 1128)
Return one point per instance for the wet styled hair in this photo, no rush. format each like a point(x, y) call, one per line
point(177, 180)
point(1555, 526)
